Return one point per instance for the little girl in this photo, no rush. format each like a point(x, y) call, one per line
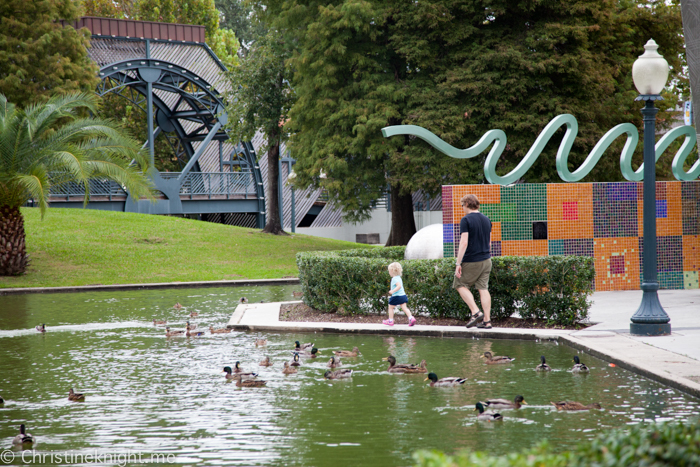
point(398, 295)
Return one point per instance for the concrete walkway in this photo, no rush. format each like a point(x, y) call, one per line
point(673, 360)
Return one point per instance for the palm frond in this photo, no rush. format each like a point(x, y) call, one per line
point(36, 185)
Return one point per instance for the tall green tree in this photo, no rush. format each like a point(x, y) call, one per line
point(50, 144)
point(458, 68)
point(260, 100)
point(40, 57)
point(239, 16)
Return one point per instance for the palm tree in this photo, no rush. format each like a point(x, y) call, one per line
point(53, 143)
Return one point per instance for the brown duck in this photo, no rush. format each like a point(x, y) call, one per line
point(404, 367)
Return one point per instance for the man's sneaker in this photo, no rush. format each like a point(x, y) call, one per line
point(388, 322)
point(484, 325)
point(477, 318)
point(412, 321)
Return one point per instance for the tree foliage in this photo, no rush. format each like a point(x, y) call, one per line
point(38, 56)
point(238, 15)
point(458, 68)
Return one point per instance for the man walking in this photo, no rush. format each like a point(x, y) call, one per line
point(474, 261)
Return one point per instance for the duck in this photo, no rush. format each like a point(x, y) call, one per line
point(334, 363)
point(219, 331)
point(23, 438)
point(347, 353)
point(2, 401)
point(491, 360)
point(487, 417)
point(338, 374)
point(188, 333)
point(245, 376)
point(450, 381)
point(265, 362)
point(579, 367)
point(260, 342)
point(573, 405)
point(303, 347)
point(75, 396)
point(248, 383)
point(242, 300)
point(155, 322)
point(405, 367)
point(295, 360)
point(297, 294)
point(41, 328)
point(501, 404)
point(543, 366)
point(313, 354)
point(289, 370)
point(194, 314)
point(192, 326)
point(177, 306)
point(169, 333)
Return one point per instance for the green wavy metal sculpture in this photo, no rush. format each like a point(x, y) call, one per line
point(499, 139)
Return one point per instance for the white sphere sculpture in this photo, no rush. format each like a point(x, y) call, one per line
point(426, 243)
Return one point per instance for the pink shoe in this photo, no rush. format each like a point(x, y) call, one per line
point(388, 322)
point(412, 321)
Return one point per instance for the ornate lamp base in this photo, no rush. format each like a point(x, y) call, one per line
point(650, 318)
point(650, 329)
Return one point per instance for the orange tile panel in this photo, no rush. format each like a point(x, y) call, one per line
point(604, 249)
point(560, 193)
point(525, 248)
point(691, 253)
point(495, 231)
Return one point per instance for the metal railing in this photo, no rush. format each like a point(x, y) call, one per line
point(218, 184)
point(98, 187)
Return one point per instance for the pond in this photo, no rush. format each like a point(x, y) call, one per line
point(147, 394)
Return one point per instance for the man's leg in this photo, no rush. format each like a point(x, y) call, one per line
point(468, 298)
point(485, 303)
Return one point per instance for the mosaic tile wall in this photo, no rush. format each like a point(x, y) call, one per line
point(602, 220)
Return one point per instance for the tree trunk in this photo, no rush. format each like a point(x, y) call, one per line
point(13, 253)
point(274, 223)
point(403, 225)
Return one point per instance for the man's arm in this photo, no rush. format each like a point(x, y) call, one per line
point(463, 242)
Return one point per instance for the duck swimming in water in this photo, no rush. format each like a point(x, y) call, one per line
point(404, 367)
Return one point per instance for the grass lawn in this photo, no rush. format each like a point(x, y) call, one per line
point(84, 247)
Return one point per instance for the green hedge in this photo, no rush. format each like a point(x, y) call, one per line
point(554, 288)
point(667, 444)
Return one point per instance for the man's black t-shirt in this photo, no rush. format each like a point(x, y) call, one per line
point(479, 228)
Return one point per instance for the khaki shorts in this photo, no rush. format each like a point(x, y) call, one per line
point(474, 274)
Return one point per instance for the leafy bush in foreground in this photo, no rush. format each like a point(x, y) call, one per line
point(654, 445)
point(554, 288)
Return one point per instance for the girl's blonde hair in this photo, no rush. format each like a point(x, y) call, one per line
point(395, 269)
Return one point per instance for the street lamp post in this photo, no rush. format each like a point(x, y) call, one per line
point(650, 72)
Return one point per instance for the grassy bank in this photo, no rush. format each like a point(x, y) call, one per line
point(83, 247)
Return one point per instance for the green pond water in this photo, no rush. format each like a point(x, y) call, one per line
point(148, 394)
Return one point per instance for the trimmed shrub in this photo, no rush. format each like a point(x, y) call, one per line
point(554, 288)
point(666, 444)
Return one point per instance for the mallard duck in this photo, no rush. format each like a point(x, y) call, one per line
point(169, 333)
point(242, 300)
point(578, 366)
point(338, 374)
point(289, 370)
point(75, 397)
point(572, 405)
point(41, 328)
point(334, 363)
point(487, 417)
point(192, 326)
point(491, 360)
point(303, 347)
point(297, 294)
point(177, 306)
point(248, 383)
point(159, 322)
point(313, 354)
point(194, 314)
point(543, 366)
point(260, 342)
point(444, 382)
point(265, 362)
point(295, 360)
point(189, 332)
point(347, 353)
point(23, 438)
point(501, 404)
point(219, 331)
point(405, 367)
point(245, 376)
point(2, 401)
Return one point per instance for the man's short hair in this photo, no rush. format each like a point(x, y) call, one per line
point(471, 201)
